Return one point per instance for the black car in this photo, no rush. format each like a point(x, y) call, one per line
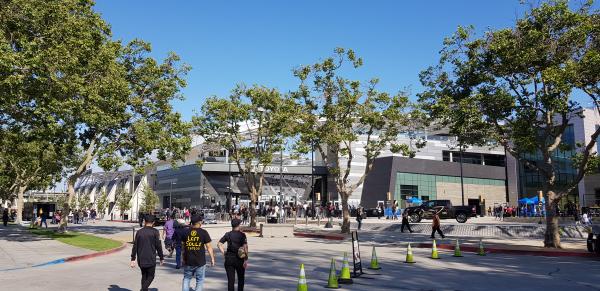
point(446, 209)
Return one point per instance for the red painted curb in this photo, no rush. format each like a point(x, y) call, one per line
point(513, 252)
point(93, 255)
point(323, 236)
point(125, 221)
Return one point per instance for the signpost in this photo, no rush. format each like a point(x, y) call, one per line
point(356, 256)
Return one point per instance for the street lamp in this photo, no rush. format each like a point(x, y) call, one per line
point(171, 194)
point(452, 145)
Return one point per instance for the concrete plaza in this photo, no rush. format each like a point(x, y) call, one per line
point(275, 259)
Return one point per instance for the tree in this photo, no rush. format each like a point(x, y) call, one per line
point(102, 203)
point(338, 111)
point(516, 87)
point(83, 201)
point(29, 162)
point(253, 124)
point(123, 200)
point(150, 200)
point(112, 100)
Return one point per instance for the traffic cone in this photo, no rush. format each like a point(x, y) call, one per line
point(409, 255)
point(302, 280)
point(345, 273)
point(374, 261)
point(332, 282)
point(481, 251)
point(457, 252)
point(434, 251)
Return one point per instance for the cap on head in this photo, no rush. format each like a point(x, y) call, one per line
point(197, 218)
point(235, 222)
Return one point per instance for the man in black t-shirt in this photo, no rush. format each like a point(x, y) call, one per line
point(195, 242)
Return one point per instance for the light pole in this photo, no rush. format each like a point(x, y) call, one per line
point(281, 185)
point(452, 144)
point(171, 194)
point(312, 178)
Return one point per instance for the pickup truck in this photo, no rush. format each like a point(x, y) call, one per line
point(448, 211)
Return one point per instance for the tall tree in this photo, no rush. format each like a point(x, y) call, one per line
point(516, 86)
point(30, 162)
point(253, 124)
point(102, 203)
point(62, 68)
point(339, 110)
point(150, 200)
point(123, 202)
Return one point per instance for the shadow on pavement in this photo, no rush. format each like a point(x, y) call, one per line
point(19, 234)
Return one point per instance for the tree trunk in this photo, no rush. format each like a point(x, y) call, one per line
point(345, 213)
point(552, 235)
point(20, 199)
point(252, 212)
point(62, 227)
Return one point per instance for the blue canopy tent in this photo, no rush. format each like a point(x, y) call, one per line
point(525, 201)
point(536, 200)
point(414, 200)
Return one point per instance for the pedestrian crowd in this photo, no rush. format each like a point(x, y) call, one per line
point(190, 243)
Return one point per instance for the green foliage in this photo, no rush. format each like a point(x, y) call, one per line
point(150, 201)
point(338, 110)
point(102, 202)
point(72, 92)
point(63, 200)
point(83, 201)
point(516, 86)
point(253, 123)
point(123, 199)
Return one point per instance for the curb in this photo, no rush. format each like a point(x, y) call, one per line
point(71, 259)
point(93, 255)
point(512, 252)
point(323, 236)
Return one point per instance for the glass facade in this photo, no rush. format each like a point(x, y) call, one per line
point(530, 181)
point(424, 186)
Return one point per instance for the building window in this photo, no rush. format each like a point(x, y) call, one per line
point(409, 190)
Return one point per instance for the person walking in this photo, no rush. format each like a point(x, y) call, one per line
point(236, 255)
point(43, 220)
point(180, 229)
point(146, 246)
point(435, 226)
point(405, 222)
point(5, 217)
point(168, 231)
point(141, 218)
point(196, 241)
point(359, 216)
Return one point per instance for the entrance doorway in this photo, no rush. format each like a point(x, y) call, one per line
point(475, 203)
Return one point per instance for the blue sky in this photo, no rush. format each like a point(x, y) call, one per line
point(260, 42)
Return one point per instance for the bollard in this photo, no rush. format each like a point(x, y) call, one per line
point(306, 220)
point(133, 232)
point(318, 221)
point(261, 230)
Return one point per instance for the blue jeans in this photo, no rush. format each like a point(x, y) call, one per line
point(178, 255)
point(188, 272)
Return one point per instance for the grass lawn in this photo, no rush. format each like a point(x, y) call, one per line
point(82, 240)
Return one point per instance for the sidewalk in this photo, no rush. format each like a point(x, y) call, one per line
point(19, 248)
point(397, 238)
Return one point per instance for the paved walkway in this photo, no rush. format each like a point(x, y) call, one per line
point(19, 248)
point(274, 265)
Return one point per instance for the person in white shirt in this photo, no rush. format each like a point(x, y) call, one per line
point(585, 220)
